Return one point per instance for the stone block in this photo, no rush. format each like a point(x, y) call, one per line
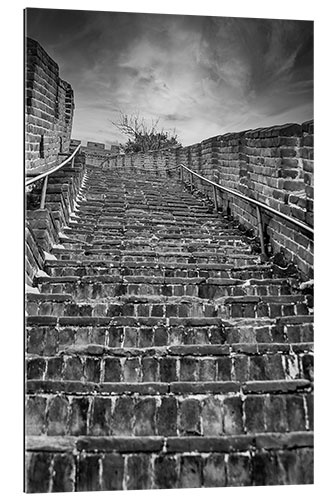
point(190, 471)
point(57, 416)
point(232, 415)
point(190, 417)
point(166, 472)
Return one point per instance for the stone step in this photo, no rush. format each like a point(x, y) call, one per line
point(179, 250)
point(236, 259)
point(95, 287)
point(161, 351)
point(132, 229)
point(160, 409)
point(89, 267)
point(182, 363)
point(174, 239)
point(48, 335)
point(170, 306)
point(256, 459)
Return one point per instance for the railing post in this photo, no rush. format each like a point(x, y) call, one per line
point(261, 232)
point(72, 162)
point(42, 201)
point(191, 177)
point(181, 174)
point(216, 206)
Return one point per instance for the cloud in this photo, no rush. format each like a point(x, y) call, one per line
point(201, 75)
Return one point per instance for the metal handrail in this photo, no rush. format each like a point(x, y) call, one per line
point(259, 205)
point(233, 192)
point(45, 175)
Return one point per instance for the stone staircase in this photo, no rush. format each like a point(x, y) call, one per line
point(162, 352)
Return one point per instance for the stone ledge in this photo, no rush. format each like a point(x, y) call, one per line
point(177, 388)
point(191, 350)
point(276, 386)
point(221, 444)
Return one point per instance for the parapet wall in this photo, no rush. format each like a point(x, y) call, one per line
point(273, 165)
point(97, 153)
point(49, 110)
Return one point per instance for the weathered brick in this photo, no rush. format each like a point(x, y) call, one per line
point(138, 472)
point(241, 365)
point(274, 367)
point(188, 369)
point(207, 369)
point(112, 370)
point(190, 472)
point(211, 415)
point(130, 337)
point(295, 413)
point(88, 473)
point(132, 370)
point(51, 342)
point(57, 416)
point(254, 414)
point(161, 336)
point(113, 472)
point(35, 415)
point(190, 417)
point(238, 470)
point(116, 334)
point(214, 471)
point(150, 369)
point(73, 369)
point(166, 417)
point(54, 368)
point(78, 416)
point(35, 342)
point(123, 416)
point(93, 369)
point(257, 368)
point(38, 472)
point(63, 479)
point(307, 366)
point(36, 368)
point(168, 369)
point(144, 417)
point(275, 413)
point(265, 470)
point(100, 417)
point(145, 337)
point(232, 419)
point(166, 472)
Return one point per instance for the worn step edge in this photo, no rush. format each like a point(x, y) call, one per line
point(141, 279)
point(156, 265)
point(226, 444)
point(170, 321)
point(120, 320)
point(154, 388)
point(156, 299)
point(193, 350)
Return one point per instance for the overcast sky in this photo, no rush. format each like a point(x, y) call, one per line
point(202, 76)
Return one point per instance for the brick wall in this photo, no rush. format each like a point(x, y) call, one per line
point(273, 165)
point(97, 154)
point(49, 110)
point(158, 161)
